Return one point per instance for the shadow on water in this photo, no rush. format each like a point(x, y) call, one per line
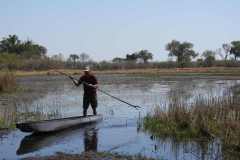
point(38, 141)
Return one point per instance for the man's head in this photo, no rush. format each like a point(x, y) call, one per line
point(86, 70)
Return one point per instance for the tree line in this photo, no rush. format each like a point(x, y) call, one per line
point(26, 49)
point(27, 55)
point(184, 53)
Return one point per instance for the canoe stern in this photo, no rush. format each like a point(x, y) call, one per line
point(24, 127)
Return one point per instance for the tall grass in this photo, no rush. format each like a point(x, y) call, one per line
point(214, 117)
point(7, 81)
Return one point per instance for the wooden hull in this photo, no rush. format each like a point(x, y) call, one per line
point(57, 124)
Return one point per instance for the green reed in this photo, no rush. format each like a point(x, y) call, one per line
point(214, 117)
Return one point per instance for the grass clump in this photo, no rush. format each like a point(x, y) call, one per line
point(6, 125)
point(7, 81)
point(212, 118)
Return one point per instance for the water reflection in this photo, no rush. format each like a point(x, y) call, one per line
point(198, 149)
point(35, 142)
point(90, 140)
point(7, 112)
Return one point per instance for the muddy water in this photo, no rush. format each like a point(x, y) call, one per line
point(51, 97)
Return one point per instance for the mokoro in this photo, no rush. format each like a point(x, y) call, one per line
point(57, 124)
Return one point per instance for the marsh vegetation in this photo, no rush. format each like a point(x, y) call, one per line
point(204, 118)
point(7, 81)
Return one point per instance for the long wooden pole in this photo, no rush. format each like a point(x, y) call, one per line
point(100, 90)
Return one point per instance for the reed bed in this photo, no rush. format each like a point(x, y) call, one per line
point(7, 81)
point(216, 117)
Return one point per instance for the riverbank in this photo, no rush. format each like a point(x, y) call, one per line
point(89, 156)
point(213, 71)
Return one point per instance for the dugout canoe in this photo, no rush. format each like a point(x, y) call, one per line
point(58, 124)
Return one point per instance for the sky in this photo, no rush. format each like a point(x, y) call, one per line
point(105, 29)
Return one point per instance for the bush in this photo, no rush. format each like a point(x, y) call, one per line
point(209, 61)
point(9, 61)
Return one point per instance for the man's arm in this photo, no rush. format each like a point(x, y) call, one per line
point(95, 85)
point(76, 82)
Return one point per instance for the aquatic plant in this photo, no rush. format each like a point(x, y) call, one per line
point(7, 81)
point(215, 117)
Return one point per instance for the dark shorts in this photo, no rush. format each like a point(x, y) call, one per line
point(89, 100)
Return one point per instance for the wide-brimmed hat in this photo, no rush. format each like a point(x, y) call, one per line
point(86, 69)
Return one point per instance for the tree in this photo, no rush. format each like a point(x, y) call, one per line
point(209, 58)
point(57, 57)
point(42, 50)
point(227, 48)
point(200, 62)
point(74, 58)
point(31, 50)
point(118, 60)
point(145, 55)
point(183, 51)
point(27, 49)
point(11, 44)
point(132, 57)
point(235, 49)
point(84, 57)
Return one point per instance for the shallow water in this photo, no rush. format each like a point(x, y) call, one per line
point(55, 97)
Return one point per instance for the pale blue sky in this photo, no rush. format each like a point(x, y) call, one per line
point(109, 28)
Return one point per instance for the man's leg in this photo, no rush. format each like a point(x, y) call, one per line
point(94, 104)
point(85, 105)
point(94, 110)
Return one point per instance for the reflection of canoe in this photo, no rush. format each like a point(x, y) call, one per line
point(38, 141)
point(57, 124)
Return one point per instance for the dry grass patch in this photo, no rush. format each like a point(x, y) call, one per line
point(7, 81)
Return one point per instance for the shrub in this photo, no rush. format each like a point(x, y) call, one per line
point(9, 61)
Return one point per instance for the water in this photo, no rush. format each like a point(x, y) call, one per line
point(55, 97)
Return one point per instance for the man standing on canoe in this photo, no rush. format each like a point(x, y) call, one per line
point(90, 85)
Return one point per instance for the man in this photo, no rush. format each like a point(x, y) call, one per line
point(90, 85)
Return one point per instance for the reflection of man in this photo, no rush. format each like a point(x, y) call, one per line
point(90, 140)
point(90, 93)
